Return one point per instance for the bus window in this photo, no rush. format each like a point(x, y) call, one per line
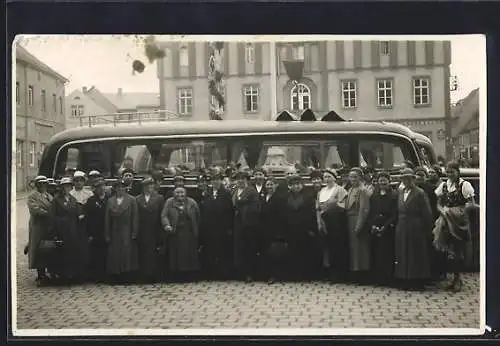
point(84, 156)
point(336, 154)
point(72, 159)
point(382, 154)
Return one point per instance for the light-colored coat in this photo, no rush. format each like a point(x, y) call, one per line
point(39, 208)
point(358, 207)
point(183, 244)
point(122, 227)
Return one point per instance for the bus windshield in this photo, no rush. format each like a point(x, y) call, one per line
point(277, 154)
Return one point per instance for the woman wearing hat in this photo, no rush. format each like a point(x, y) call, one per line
point(246, 222)
point(39, 203)
point(66, 215)
point(217, 216)
point(358, 206)
point(413, 230)
point(150, 205)
point(452, 230)
point(121, 231)
point(79, 192)
point(301, 228)
point(381, 223)
point(181, 221)
point(95, 209)
point(332, 225)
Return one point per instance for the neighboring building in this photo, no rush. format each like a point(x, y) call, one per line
point(81, 104)
point(40, 112)
point(465, 130)
point(400, 81)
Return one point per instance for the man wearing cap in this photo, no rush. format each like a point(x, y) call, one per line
point(216, 229)
point(39, 204)
point(150, 205)
point(246, 223)
point(79, 192)
point(128, 179)
point(259, 180)
point(413, 230)
point(95, 209)
point(94, 175)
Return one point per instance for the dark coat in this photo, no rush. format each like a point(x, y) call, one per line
point(149, 234)
point(121, 231)
point(413, 230)
point(65, 222)
point(183, 242)
point(217, 217)
point(95, 215)
point(262, 193)
point(246, 223)
point(383, 213)
point(39, 208)
point(301, 227)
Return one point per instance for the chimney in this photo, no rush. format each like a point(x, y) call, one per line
point(120, 92)
point(84, 89)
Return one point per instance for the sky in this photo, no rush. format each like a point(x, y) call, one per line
point(106, 61)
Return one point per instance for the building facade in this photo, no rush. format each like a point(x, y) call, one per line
point(40, 112)
point(465, 131)
point(88, 106)
point(399, 81)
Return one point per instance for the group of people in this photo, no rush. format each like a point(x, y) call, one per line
point(255, 227)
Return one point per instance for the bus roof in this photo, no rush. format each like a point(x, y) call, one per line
point(210, 127)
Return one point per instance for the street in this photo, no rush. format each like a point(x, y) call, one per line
point(235, 304)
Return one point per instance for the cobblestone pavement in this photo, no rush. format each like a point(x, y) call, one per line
point(234, 304)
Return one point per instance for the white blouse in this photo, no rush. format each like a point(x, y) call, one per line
point(467, 189)
point(337, 192)
point(81, 196)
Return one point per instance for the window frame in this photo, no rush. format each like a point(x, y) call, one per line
point(54, 103)
point(385, 89)
point(183, 57)
point(355, 90)
point(43, 103)
point(32, 154)
point(385, 48)
point(251, 88)
point(19, 153)
point(250, 53)
point(18, 94)
point(31, 95)
point(300, 97)
point(183, 97)
point(428, 88)
point(61, 105)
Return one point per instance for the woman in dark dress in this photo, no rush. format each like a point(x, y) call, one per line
point(246, 226)
point(150, 205)
point(414, 227)
point(95, 213)
point(66, 213)
point(273, 227)
point(381, 221)
point(301, 226)
point(217, 216)
point(452, 230)
point(181, 220)
point(121, 230)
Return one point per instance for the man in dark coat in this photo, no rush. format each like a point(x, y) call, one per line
point(95, 210)
point(259, 181)
point(150, 205)
point(414, 227)
point(217, 216)
point(246, 222)
point(127, 177)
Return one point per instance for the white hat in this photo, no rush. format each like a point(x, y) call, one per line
point(94, 172)
point(78, 174)
point(41, 179)
point(65, 180)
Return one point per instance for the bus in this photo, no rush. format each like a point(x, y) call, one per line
point(192, 146)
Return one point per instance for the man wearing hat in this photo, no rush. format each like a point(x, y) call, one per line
point(259, 180)
point(127, 177)
point(216, 229)
point(413, 229)
point(95, 209)
point(93, 176)
point(246, 222)
point(79, 192)
point(39, 203)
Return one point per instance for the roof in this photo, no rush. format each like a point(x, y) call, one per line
point(465, 111)
point(23, 55)
point(211, 127)
point(129, 100)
